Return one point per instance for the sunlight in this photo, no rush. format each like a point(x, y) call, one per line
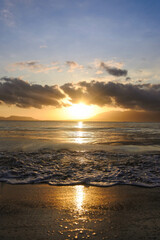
point(80, 124)
point(79, 196)
point(81, 111)
point(79, 134)
point(79, 137)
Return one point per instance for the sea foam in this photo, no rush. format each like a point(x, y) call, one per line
point(64, 167)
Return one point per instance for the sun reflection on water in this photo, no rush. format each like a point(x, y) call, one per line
point(79, 197)
point(79, 134)
point(79, 137)
point(80, 124)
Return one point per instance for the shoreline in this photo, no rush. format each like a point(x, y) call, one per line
point(41, 211)
point(81, 184)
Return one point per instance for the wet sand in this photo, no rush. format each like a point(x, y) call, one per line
point(43, 212)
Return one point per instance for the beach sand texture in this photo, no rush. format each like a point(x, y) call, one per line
point(78, 212)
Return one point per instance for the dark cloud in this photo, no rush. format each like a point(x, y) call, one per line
point(128, 78)
point(75, 92)
point(71, 63)
point(113, 70)
point(128, 96)
point(24, 95)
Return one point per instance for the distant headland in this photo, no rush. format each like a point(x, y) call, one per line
point(17, 118)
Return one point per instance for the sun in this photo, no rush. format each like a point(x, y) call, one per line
point(80, 111)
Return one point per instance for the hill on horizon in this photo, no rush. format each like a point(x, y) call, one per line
point(111, 116)
point(17, 118)
point(127, 116)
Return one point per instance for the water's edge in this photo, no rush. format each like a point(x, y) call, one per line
point(90, 168)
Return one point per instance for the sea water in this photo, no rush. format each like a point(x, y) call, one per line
point(90, 153)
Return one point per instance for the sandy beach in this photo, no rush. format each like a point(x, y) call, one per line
point(78, 212)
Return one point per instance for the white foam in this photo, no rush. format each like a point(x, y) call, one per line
point(64, 167)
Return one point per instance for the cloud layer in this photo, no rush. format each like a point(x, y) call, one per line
point(128, 96)
point(24, 95)
point(34, 66)
point(110, 67)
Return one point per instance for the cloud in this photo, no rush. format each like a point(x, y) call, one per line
point(75, 92)
point(7, 13)
point(73, 65)
point(128, 78)
point(113, 70)
point(99, 72)
point(7, 17)
point(127, 96)
point(43, 46)
point(22, 94)
point(34, 66)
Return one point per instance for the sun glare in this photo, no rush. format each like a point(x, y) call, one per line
point(80, 111)
point(79, 197)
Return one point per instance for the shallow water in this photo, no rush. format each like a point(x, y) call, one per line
point(91, 153)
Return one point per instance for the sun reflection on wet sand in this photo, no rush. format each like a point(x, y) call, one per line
point(78, 212)
point(79, 197)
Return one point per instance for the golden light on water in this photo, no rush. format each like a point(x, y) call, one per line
point(80, 124)
point(79, 134)
point(81, 111)
point(79, 137)
point(79, 197)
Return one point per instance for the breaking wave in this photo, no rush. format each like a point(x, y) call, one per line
point(65, 167)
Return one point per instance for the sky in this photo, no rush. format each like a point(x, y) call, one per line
point(55, 54)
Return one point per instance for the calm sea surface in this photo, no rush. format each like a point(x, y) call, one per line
point(91, 153)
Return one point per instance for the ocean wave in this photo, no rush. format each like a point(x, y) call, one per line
point(92, 168)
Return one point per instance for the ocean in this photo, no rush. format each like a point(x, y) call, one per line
point(72, 153)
